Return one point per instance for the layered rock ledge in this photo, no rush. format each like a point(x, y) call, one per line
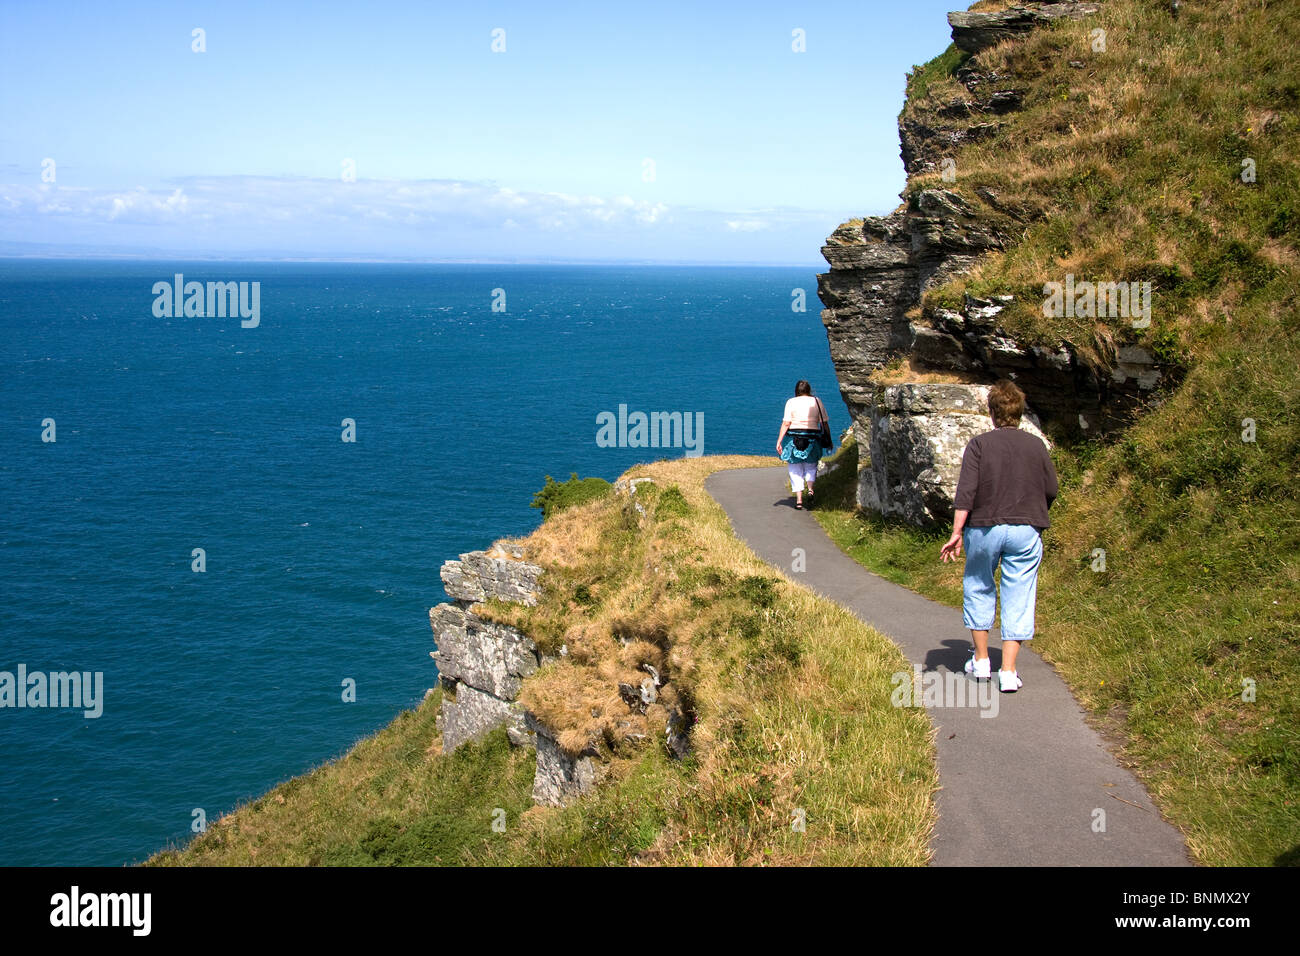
point(481, 665)
point(973, 32)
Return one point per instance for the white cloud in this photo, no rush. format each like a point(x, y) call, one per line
point(245, 200)
point(264, 215)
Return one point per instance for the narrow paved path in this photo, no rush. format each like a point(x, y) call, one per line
point(1022, 786)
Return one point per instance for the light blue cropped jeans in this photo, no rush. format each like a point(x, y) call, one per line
point(1019, 549)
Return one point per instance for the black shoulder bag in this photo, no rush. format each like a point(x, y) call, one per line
point(825, 437)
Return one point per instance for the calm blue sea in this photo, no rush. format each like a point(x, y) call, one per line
point(322, 556)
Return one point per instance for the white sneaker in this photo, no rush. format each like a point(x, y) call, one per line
point(978, 669)
point(1009, 681)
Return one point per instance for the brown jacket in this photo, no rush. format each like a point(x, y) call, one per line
point(1007, 477)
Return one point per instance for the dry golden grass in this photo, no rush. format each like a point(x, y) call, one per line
point(908, 371)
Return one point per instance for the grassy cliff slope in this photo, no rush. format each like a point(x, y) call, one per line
point(797, 756)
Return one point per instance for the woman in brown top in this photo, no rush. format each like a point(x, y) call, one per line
point(1007, 483)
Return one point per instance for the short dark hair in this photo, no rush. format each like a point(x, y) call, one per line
point(1006, 403)
point(801, 387)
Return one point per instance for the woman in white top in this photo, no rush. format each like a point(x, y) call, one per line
point(798, 444)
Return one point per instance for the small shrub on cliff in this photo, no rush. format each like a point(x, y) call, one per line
point(558, 495)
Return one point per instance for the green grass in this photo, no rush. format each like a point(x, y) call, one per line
point(919, 78)
point(387, 802)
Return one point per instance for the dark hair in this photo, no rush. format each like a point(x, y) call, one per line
point(1006, 403)
point(801, 387)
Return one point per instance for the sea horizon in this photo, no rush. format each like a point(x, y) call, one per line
point(364, 260)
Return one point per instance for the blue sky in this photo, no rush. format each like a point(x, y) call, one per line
point(538, 152)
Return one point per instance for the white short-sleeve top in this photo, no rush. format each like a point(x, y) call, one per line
point(802, 412)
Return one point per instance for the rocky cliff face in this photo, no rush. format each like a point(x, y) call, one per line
point(482, 666)
point(911, 434)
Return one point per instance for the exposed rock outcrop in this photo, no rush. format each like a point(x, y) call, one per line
point(481, 665)
point(560, 777)
point(480, 575)
point(911, 437)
